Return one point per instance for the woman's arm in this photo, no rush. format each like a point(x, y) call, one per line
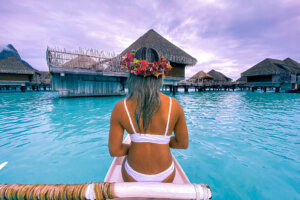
point(116, 147)
point(181, 138)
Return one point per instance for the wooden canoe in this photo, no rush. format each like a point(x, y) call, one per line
point(114, 187)
point(114, 173)
point(181, 188)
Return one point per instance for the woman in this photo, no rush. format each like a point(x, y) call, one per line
point(149, 117)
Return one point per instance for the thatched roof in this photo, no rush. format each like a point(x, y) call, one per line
point(293, 65)
point(218, 76)
point(199, 76)
point(242, 79)
point(171, 52)
point(272, 66)
point(14, 66)
point(82, 61)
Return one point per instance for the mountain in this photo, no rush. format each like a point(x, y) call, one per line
point(9, 50)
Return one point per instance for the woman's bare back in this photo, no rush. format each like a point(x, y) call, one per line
point(150, 158)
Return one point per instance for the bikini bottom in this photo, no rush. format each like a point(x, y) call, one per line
point(139, 177)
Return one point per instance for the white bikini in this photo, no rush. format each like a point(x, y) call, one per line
point(150, 138)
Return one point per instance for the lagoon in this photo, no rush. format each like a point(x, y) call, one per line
point(244, 145)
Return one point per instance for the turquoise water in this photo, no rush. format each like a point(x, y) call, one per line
point(244, 145)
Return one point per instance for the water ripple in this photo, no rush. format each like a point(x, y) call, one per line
point(244, 145)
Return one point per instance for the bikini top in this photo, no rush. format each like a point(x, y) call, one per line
point(143, 137)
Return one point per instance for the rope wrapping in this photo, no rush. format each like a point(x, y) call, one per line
point(52, 192)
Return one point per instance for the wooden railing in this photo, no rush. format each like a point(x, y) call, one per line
point(90, 59)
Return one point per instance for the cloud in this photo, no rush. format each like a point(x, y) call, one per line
point(229, 36)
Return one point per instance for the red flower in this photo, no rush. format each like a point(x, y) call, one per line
point(129, 57)
point(143, 67)
point(144, 63)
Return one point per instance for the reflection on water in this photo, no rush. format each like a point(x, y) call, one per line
point(244, 145)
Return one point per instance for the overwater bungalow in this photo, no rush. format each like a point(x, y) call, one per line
point(92, 73)
point(218, 77)
point(201, 77)
point(14, 75)
point(273, 73)
point(177, 57)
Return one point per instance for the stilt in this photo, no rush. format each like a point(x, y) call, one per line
point(23, 88)
point(186, 89)
point(277, 89)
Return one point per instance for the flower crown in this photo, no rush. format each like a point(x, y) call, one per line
point(143, 67)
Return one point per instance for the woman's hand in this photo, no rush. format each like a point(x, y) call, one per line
point(116, 147)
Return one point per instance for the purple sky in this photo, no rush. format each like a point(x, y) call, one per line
point(229, 36)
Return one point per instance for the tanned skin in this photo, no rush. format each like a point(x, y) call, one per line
point(148, 158)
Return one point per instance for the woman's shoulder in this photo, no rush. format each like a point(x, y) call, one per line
point(176, 110)
point(118, 111)
point(166, 97)
point(119, 106)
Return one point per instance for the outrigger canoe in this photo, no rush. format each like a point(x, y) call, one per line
point(113, 187)
point(181, 188)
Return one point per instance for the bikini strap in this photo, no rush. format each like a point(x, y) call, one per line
point(167, 127)
point(129, 116)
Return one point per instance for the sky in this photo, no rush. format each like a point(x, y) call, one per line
point(229, 36)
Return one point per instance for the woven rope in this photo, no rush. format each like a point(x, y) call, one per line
point(53, 192)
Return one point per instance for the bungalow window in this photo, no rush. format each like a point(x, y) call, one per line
point(263, 78)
